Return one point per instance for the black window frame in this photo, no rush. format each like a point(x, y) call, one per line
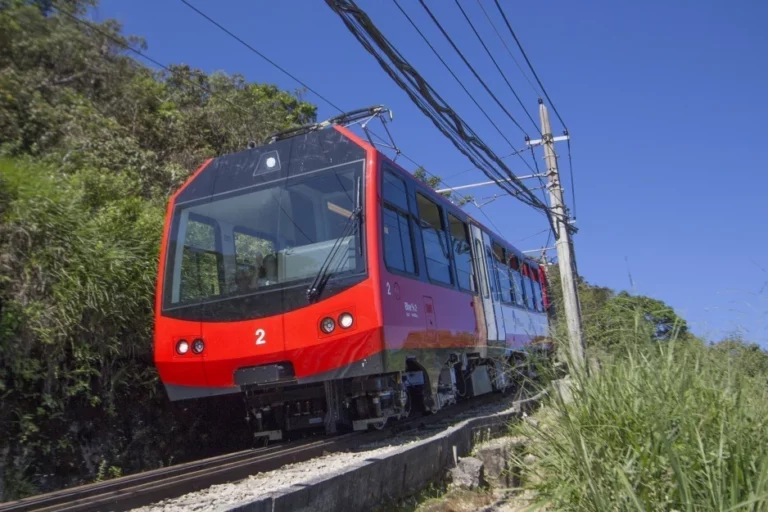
point(503, 262)
point(444, 229)
point(409, 217)
point(538, 293)
point(527, 290)
point(515, 302)
point(218, 249)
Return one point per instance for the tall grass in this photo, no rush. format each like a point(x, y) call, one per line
point(662, 426)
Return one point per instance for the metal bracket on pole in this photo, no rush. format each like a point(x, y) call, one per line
point(494, 182)
point(539, 142)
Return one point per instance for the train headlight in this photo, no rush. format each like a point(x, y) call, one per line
point(182, 347)
point(345, 320)
point(198, 346)
point(327, 325)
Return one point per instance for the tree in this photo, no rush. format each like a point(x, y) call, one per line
point(92, 142)
point(610, 318)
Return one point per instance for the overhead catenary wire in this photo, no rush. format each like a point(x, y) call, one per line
point(260, 54)
point(501, 72)
point(453, 74)
point(512, 55)
point(471, 68)
point(429, 101)
point(530, 66)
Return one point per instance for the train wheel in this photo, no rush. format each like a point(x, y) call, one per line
point(378, 425)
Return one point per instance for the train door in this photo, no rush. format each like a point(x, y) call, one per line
point(493, 278)
point(485, 283)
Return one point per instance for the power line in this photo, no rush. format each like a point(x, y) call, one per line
point(471, 68)
point(494, 226)
point(437, 54)
point(536, 76)
point(479, 38)
point(533, 235)
point(533, 88)
point(257, 52)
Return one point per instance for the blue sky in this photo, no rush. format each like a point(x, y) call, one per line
point(665, 101)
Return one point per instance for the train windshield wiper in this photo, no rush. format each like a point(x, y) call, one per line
point(325, 272)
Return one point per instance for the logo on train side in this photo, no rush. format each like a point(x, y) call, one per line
point(411, 309)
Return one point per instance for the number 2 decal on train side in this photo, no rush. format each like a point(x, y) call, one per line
point(389, 290)
point(260, 337)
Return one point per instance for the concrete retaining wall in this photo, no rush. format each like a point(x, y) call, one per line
point(376, 481)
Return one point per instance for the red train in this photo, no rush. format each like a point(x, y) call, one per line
point(332, 288)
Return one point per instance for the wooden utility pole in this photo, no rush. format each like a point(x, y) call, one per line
point(566, 261)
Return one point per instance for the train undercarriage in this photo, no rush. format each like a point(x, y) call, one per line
point(369, 402)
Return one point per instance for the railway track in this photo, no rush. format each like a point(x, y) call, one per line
point(149, 487)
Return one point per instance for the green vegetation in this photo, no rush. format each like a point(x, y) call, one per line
point(663, 422)
point(92, 142)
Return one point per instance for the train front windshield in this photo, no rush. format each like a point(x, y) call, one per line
point(253, 252)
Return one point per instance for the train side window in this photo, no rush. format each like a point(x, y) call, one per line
point(517, 280)
point(398, 237)
point(462, 254)
point(536, 289)
point(201, 261)
point(528, 286)
point(394, 191)
point(436, 247)
point(505, 284)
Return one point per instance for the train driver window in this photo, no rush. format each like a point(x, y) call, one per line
point(528, 286)
point(505, 284)
point(517, 280)
point(398, 246)
point(462, 254)
point(201, 260)
point(255, 260)
point(436, 247)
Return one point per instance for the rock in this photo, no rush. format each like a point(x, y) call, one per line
point(495, 456)
point(529, 459)
point(469, 474)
